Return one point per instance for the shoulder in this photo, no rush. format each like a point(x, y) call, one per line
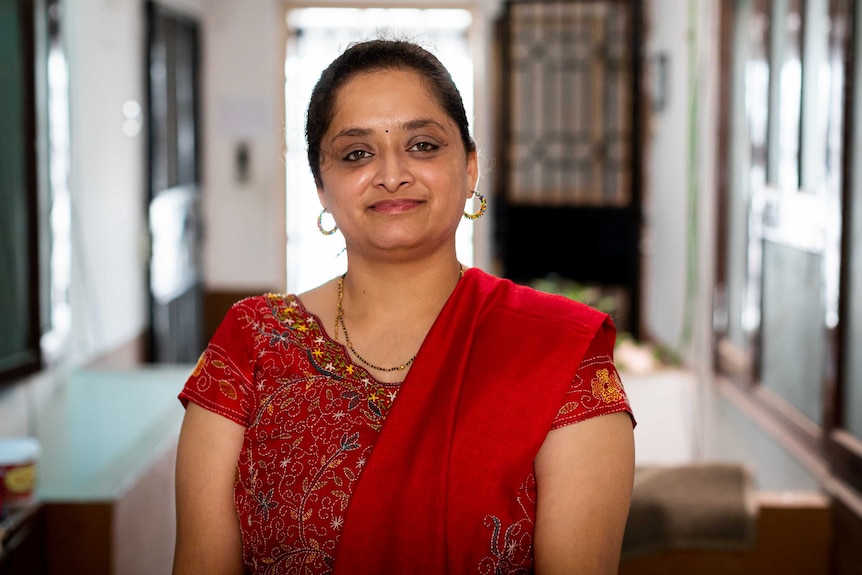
point(529, 304)
point(263, 306)
point(534, 302)
point(253, 315)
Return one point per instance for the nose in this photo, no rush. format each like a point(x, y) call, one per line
point(393, 171)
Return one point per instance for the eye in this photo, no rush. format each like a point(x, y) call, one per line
point(357, 155)
point(424, 147)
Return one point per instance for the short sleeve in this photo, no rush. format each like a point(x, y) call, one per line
point(596, 388)
point(221, 381)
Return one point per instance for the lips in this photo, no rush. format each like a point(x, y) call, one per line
point(394, 206)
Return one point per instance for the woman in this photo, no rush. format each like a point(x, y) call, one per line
point(303, 452)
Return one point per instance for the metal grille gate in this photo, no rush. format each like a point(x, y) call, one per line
point(570, 186)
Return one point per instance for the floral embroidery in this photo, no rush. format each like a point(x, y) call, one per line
point(607, 386)
point(312, 418)
point(511, 550)
point(265, 503)
point(596, 390)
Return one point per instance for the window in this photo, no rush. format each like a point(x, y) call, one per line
point(19, 279)
point(846, 433)
point(789, 305)
point(35, 227)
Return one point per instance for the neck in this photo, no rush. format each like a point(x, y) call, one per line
point(389, 314)
point(405, 291)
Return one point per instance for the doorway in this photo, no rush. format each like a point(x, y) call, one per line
point(173, 96)
point(315, 37)
point(569, 208)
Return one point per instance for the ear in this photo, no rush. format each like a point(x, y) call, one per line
point(320, 196)
point(472, 171)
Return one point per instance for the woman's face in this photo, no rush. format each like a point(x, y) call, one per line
point(394, 169)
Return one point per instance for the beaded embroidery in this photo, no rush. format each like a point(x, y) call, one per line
point(312, 418)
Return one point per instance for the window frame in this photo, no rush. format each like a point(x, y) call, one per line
point(825, 449)
point(31, 360)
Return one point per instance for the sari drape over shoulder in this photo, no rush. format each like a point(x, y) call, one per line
point(459, 443)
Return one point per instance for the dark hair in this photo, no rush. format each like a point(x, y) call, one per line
point(371, 56)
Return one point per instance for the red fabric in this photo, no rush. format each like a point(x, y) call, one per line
point(494, 374)
point(447, 488)
point(312, 418)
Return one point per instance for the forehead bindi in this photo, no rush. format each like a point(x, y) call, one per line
point(415, 125)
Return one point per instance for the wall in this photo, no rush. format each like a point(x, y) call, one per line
point(104, 47)
point(243, 103)
point(666, 206)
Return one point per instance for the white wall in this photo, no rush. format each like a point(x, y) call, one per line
point(244, 45)
point(680, 196)
point(105, 49)
point(108, 289)
point(485, 103)
point(242, 81)
point(666, 208)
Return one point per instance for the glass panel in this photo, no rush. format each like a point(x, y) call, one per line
point(801, 229)
point(57, 221)
point(16, 219)
point(749, 105)
point(785, 93)
point(816, 88)
point(185, 79)
point(571, 106)
point(852, 384)
point(793, 336)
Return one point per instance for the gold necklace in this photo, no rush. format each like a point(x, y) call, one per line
point(339, 320)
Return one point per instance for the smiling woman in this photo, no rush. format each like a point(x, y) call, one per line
point(316, 36)
point(465, 425)
point(394, 173)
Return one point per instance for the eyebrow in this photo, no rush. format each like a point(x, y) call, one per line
point(352, 133)
point(420, 123)
point(409, 126)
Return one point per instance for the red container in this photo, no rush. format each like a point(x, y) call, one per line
point(18, 458)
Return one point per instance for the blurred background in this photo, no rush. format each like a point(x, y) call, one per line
point(692, 168)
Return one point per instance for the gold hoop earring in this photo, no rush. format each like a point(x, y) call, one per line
point(320, 224)
point(483, 205)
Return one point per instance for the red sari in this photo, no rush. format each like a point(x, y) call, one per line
point(446, 485)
